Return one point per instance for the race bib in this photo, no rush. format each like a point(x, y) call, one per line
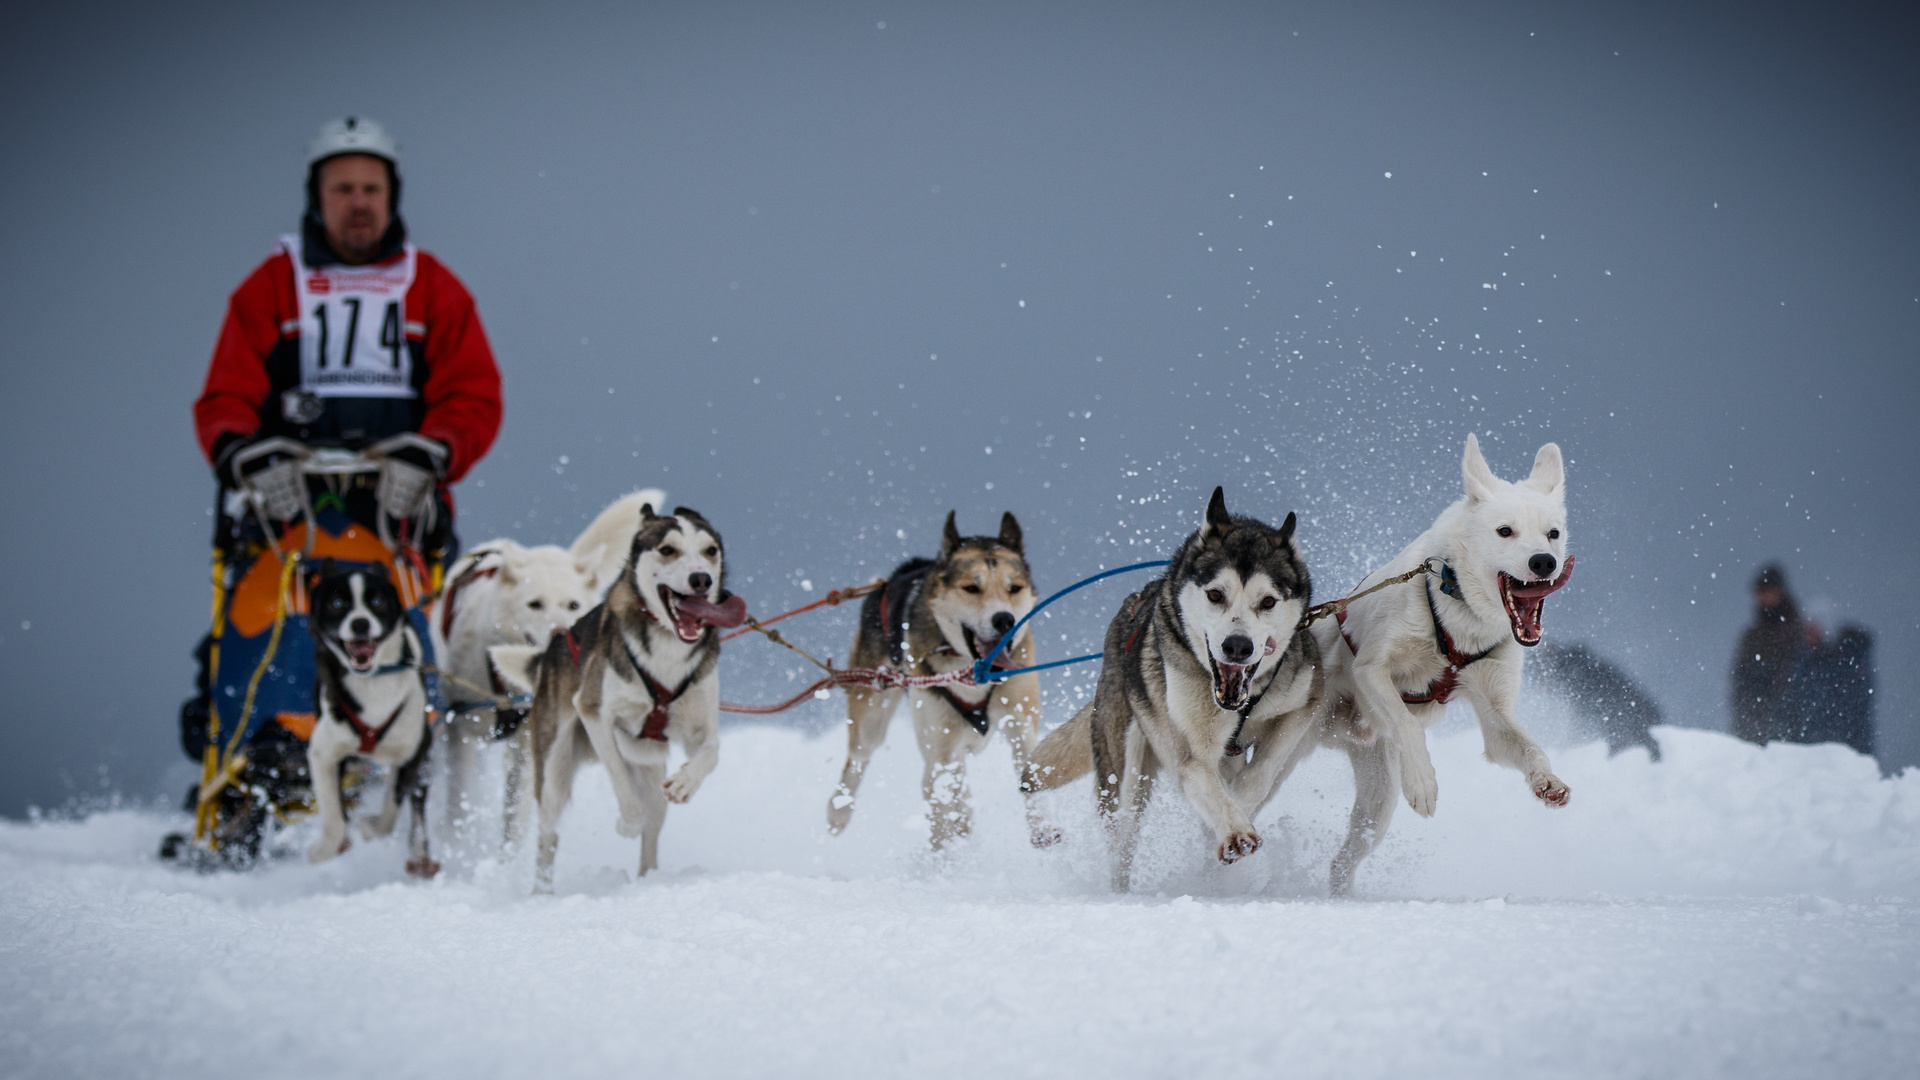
point(353, 320)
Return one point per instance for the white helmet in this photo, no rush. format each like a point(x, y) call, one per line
point(353, 135)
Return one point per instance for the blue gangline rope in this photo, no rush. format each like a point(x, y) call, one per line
point(983, 672)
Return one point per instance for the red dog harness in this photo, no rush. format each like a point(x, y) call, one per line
point(655, 727)
point(1441, 689)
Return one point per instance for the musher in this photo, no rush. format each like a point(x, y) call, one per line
point(344, 338)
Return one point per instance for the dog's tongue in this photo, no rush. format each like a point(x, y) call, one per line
point(362, 652)
point(1231, 685)
point(1527, 601)
point(691, 613)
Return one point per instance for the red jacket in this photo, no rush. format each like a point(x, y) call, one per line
point(461, 393)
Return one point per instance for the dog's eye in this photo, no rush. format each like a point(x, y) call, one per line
point(712, 552)
point(1014, 588)
point(573, 605)
point(975, 589)
point(336, 603)
point(536, 604)
point(669, 553)
point(1268, 603)
point(1553, 534)
point(1216, 596)
point(1504, 531)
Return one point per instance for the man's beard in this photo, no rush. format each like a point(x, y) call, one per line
point(357, 242)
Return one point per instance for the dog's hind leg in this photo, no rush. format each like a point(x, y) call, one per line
point(460, 734)
point(1130, 797)
point(1376, 788)
point(1020, 697)
point(412, 780)
point(553, 791)
point(868, 714)
point(649, 782)
point(515, 795)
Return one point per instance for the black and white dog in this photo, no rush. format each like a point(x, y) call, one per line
point(371, 702)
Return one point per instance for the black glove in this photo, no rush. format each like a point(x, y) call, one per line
point(227, 447)
point(421, 459)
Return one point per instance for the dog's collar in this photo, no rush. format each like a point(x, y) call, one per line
point(407, 661)
point(1449, 583)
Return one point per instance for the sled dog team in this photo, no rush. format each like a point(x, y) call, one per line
point(1212, 676)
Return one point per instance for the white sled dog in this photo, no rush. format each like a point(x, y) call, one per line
point(937, 616)
point(502, 593)
point(371, 702)
point(1393, 659)
point(1207, 675)
point(636, 671)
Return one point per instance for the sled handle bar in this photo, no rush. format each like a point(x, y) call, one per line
point(323, 461)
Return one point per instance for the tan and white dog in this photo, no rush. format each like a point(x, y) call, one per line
point(937, 616)
point(1397, 656)
point(637, 671)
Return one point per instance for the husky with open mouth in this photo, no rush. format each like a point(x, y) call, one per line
point(1207, 675)
point(937, 616)
point(370, 701)
point(1396, 657)
point(636, 671)
point(501, 593)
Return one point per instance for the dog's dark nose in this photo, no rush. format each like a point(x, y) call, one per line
point(1542, 565)
point(1002, 622)
point(1238, 649)
point(359, 626)
point(699, 582)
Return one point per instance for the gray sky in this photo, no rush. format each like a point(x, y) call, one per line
point(804, 269)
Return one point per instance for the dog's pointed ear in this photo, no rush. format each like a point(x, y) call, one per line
point(1478, 480)
point(1010, 536)
point(1217, 516)
point(646, 513)
point(1286, 528)
point(949, 537)
point(1549, 472)
point(589, 570)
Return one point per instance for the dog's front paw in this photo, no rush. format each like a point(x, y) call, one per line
point(1045, 836)
point(1421, 787)
point(1238, 845)
point(628, 828)
point(839, 811)
point(422, 867)
point(1549, 789)
point(680, 788)
point(328, 846)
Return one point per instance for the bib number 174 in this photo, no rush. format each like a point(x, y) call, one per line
point(344, 343)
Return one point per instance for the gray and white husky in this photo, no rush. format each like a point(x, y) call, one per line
point(1396, 657)
point(501, 593)
point(637, 671)
point(1207, 675)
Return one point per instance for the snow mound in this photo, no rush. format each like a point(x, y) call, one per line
point(1732, 910)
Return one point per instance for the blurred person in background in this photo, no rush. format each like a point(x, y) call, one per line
point(1760, 695)
point(1832, 684)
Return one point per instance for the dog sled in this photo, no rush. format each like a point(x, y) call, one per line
point(307, 507)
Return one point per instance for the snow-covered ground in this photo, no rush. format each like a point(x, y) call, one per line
point(1730, 911)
